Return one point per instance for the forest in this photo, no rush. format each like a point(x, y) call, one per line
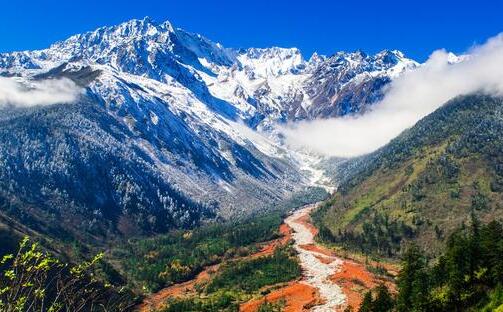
point(241, 280)
point(467, 276)
point(153, 263)
point(421, 186)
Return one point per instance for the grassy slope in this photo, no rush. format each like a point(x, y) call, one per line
point(426, 181)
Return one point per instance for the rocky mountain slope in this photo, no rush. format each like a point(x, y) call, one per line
point(171, 128)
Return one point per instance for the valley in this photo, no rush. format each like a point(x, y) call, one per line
point(328, 281)
point(174, 174)
point(338, 281)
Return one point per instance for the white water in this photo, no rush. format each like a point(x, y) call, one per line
point(316, 273)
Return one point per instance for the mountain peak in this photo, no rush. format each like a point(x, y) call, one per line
point(316, 59)
point(273, 61)
point(129, 30)
point(389, 56)
point(272, 52)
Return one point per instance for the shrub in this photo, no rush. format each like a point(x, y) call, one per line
point(33, 280)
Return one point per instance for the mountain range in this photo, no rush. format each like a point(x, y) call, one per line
point(170, 129)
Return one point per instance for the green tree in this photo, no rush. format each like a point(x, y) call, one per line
point(491, 246)
point(366, 305)
point(383, 301)
point(412, 281)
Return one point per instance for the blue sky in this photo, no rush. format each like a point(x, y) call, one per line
point(416, 28)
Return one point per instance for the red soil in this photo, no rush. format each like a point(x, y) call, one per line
point(353, 277)
point(318, 249)
point(269, 248)
point(325, 260)
point(355, 280)
point(298, 297)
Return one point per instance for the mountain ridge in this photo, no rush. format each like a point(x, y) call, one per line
point(424, 184)
point(200, 115)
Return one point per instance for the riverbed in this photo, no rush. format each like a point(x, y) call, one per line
point(317, 266)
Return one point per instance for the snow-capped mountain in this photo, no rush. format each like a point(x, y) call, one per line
point(349, 82)
point(259, 84)
point(190, 114)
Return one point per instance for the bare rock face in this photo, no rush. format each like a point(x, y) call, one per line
point(347, 83)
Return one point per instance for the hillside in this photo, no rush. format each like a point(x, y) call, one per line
point(423, 184)
point(73, 174)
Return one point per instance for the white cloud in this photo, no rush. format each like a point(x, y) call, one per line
point(43, 92)
point(408, 99)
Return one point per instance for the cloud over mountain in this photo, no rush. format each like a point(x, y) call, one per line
point(44, 92)
point(408, 98)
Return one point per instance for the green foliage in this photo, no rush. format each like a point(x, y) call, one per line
point(179, 256)
point(380, 235)
point(425, 182)
point(466, 277)
point(252, 274)
point(412, 281)
point(366, 305)
point(271, 306)
point(221, 302)
point(495, 301)
point(32, 280)
point(239, 280)
point(383, 301)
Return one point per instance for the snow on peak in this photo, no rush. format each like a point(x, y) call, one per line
point(317, 58)
point(104, 38)
point(275, 61)
point(453, 58)
point(258, 84)
point(191, 99)
point(314, 61)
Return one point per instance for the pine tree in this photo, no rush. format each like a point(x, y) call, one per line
point(491, 252)
point(366, 305)
point(458, 264)
point(413, 288)
point(474, 241)
point(383, 302)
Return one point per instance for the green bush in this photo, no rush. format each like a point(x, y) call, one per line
point(252, 274)
point(32, 280)
point(223, 302)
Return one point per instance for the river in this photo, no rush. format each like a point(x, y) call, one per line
point(317, 266)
